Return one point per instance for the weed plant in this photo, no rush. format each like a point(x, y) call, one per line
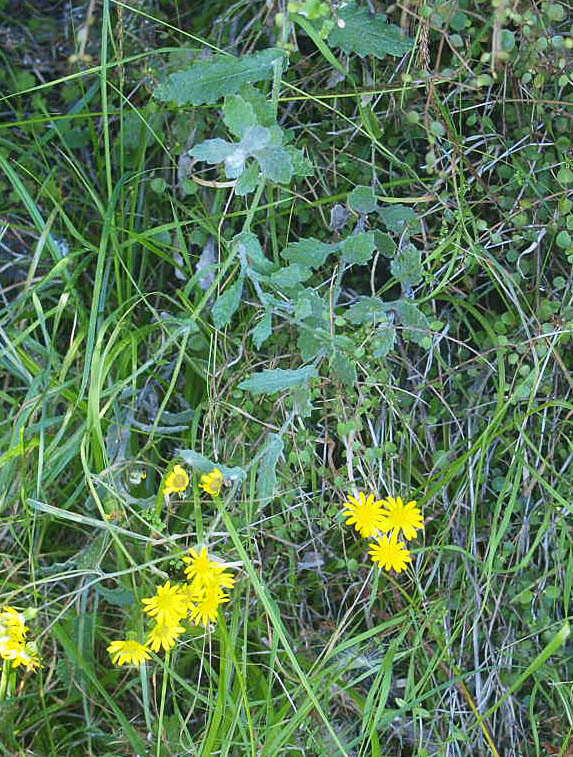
point(286, 401)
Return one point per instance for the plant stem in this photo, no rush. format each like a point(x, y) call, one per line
point(162, 705)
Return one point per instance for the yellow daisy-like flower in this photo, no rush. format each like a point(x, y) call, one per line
point(205, 573)
point(128, 652)
point(12, 623)
point(365, 513)
point(218, 578)
point(398, 516)
point(13, 644)
point(390, 553)
point(192, 593)
point(198, 563)
point(206, 610)
point(164, 635)
point(212, 482)
point(176, 481)
point(168, 605)
point(25, 654)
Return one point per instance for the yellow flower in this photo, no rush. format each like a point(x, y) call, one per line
point(164, 635)
point(205, 611)
point(176, 481)
point(128, 652)
point(398, 516)
point(13, 644)
point(206, 573)
point(390, 553)
point(192, 593)
point(212, 482)
point(198, 563)
point(168, 605)
point(26, 655)
point(12, 623)
point(365, 513)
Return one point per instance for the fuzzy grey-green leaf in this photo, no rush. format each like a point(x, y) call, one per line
point(362, 200)
point(291, 276)
point(238, 115)
point(207, 81)
point(227, 304)
point(213, 150)
point(358, 248)
point(277, 380)
point(365, 33)
point(397, 217)
point(407, 266)
point(262, 330)
point(309, 252)
point(343, 368)
point(267, 472)
point(367, 310)
point(415, 322)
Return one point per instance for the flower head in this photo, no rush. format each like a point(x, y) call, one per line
point(12, 624)
point(205, 573)
point(193, 593)
point(176, 481)
point(164, 635)
point(390, 553)
point(128, 652)
point(206, 609)
point(168, 605)
point(398, 516)
point(365, 513)
point(212, 482)
point(13, 644)
point(26, 655)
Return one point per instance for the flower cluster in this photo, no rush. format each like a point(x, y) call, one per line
point(178, 480)
point(197, 601)
point(385, 520)
point(13, 643)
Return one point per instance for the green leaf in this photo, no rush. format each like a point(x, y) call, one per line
point(407, 266)
point(227, 304)
point(367, 310)
point(313, 342)
point(309, 252)
point(343, 368)
point(363, 200)
point(383, 341)
point(416, 323)
point(384, 244)
point(238, 115)
point(208, 81)
point(291, 276)
point(262, 143)
point(359, 248)
point(263, 108)
point(248, 180)
point(251, 253)
point(275, 162)
point(213, 150)
point(309, 304)
point(203, 464)
point(302, 400)
point(364, 33)
point(302, 166)
point(262, 330)
point(267, 472)
point(119, 597)
point(271, 381)
point(397, 217)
